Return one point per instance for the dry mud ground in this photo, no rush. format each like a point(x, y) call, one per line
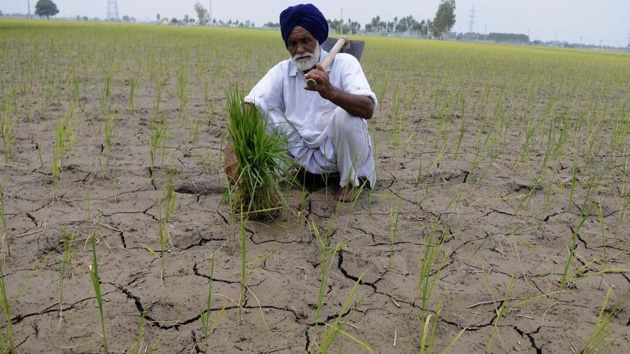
point(500, 255)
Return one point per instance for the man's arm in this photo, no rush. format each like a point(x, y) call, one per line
point(356, 105)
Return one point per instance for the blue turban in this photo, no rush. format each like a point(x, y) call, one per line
point(306, 16)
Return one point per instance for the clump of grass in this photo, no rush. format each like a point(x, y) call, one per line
point(263, 160)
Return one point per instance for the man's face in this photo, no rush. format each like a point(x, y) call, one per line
point(303, 48)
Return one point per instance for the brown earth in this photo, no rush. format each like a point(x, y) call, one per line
point(499, 248)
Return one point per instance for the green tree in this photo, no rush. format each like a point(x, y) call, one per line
point(444, 18)
point(46, 8)
point(202, 14)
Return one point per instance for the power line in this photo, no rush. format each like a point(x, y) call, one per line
point(112, 10)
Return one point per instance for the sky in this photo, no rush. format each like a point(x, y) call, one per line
point(597, 22)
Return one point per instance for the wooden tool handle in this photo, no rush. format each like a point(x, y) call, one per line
point(329, 58)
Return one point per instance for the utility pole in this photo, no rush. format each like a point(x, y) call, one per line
point(628, 40)
point(341, 29)
point(28, 13)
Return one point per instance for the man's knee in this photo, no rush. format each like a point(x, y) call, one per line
point(345, 124)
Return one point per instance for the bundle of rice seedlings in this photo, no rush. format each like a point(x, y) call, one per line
point(256, 162)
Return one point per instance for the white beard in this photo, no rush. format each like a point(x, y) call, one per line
point(306, 60)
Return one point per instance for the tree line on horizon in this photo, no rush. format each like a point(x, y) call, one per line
point(438, 27)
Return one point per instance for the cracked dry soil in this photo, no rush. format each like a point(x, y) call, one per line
point(489, 238)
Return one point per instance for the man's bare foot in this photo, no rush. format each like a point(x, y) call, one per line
point(347, 194)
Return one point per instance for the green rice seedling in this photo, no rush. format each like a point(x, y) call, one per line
point(6, 334)
point(160, 86)
point(603, 336)
point(133, 87)
point(96, 284)
point(8, 121)
point(75, 89)
point(194, 132)
point(500, 311)
point(463, 127)
point(566, 278)
point(6, 341)
point(428, 276)
point(106, 94)
point(393, 231)
point(68, 257)
point(166, 207)
point(140, 337)
point(182, 90)
point(263, 160)
point(158, 129)
point(64, 139)
point(205, 314)
point(3, 219)
point(243, 234)
point(333, 330)
point(327, 260)
point(429, 330)
point(108, 129)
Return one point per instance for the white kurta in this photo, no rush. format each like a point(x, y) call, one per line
point(322, 137)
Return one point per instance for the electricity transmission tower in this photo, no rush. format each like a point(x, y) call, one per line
point(112, 10)
point(471, 22)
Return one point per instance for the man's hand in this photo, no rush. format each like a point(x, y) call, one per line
point(356, 105)
point(320, 76)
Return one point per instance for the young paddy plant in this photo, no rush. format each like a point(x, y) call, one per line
point(166, 208)
point(603, 336)
point(6, 339)
point(428, 275)
point(96, 284)
point(262, 161)
point(182, 90)
point(329, 334)
point(158, 130)
point(208, 327)
point(5, 230)
point(393, 231)
point(65, 138)
point(109, 124)
point(64, 265)
point(8, 121)
point(332, 331)
point(133, 88)
point(500, 311)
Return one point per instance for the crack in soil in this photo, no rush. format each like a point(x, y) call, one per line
point(179, 323)
point(352, 277)
point(530, 336)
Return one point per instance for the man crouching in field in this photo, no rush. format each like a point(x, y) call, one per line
point(325, 124)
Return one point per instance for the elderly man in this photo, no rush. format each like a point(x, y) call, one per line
point(325, 125)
